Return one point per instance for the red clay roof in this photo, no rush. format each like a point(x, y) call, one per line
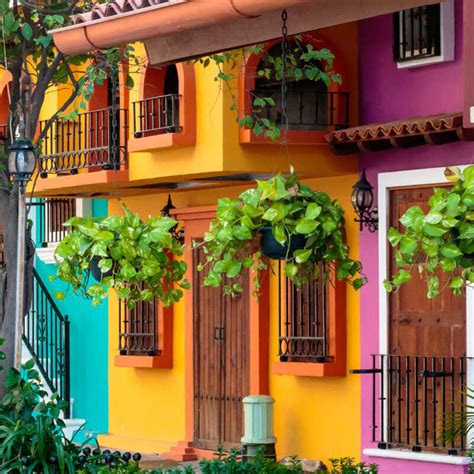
point(433, 130)
point(117, 7)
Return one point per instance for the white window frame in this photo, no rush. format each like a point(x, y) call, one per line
point(46, 254)
point(387, 182)
point(447, 40)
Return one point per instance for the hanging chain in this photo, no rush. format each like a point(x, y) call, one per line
point(115, 138)
point(284, 58)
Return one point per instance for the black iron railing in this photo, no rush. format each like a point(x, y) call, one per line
point(303, 320)
point(46, 335)
point(53, 213)
point(138, 329)
point(416, 401)
point(96, 139)
point(156, 115)
point(307, 110)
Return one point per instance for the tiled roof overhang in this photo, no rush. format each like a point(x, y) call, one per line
point(433, 130)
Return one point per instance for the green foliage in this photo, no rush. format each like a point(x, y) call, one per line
point(31, 429)
point(349, 466)
point(303, 62)
point(291, 209)
point(441, 240)
point(136, 258)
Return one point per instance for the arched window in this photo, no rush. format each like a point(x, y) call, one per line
point(158, 111)
point(313, 106)
point(307, 100)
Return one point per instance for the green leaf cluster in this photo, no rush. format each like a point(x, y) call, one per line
point(291, 209)
point(439, 242)
point(136, 258)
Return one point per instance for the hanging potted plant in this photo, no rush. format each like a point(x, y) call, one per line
point(280, 219)
point(438, 244)
point(124, 253)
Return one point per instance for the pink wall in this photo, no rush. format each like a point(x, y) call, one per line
point(387, 94)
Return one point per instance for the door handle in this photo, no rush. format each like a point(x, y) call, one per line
point(217, 333)
point(222, 333)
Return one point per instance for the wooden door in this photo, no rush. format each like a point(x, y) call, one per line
point(221, 361)
point(425, 336)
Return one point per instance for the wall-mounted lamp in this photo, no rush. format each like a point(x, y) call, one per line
point(362, 200)
point(166, 211)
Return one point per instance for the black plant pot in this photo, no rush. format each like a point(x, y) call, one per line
point(271, 248)
point(95, 270)
point(457, 241)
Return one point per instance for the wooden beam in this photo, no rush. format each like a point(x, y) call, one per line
point(184, 45)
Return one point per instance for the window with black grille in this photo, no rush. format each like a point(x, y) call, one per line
point(310, 105)
point(417, 33)
point(303, 320)
point(138, 328)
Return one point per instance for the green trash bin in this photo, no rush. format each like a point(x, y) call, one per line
point(258, 427)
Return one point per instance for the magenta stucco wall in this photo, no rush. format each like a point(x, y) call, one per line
point(388, 93)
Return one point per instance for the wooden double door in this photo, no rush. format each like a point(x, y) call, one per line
point(221, 360)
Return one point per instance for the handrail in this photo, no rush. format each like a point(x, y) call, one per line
point(46, 334)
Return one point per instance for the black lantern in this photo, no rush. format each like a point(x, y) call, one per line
point(362, 200)
point(166, 211)
point(21, 161)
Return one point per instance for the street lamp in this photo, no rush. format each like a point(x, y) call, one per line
point(362, 200)
point(21, 161)
point(21, 166)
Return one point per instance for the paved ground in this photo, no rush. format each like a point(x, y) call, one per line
point(152, 460)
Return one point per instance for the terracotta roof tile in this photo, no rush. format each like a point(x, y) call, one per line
point(116, 7)
point(437, 129)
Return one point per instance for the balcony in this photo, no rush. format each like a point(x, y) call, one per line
point(87, 152)
point(95, 140)
point(416, 400)
point(156, 115)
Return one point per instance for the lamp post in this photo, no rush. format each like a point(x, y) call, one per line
point(21, 166)
point(362, 200)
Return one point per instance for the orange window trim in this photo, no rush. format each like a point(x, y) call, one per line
point(247, 83)
point(187, 115)
point(337, 341)
point(165, 336)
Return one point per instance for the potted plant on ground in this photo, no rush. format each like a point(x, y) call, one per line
point(289, 221)
point(132, 256)
point(440, 241)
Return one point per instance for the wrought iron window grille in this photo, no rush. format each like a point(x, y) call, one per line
point(416, 400)
point(417, 33)
point(139, 328)
point(302, 320)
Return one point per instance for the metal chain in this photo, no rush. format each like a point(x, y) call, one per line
point(114, 146)
point(284, 87)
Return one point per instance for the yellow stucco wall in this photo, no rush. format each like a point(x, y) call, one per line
point(316, 418)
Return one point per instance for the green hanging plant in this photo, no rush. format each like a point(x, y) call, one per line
point(134, 257)
point(442, 240)
point(306, 224)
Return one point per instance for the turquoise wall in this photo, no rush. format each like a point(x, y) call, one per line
point(89, 336)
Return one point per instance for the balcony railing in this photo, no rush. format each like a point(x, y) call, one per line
point(52, 214)
point(156, 115)
point(96, 139)
point(138, 329)
point(303, 320)
point(416, 401)
point(307, 110)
